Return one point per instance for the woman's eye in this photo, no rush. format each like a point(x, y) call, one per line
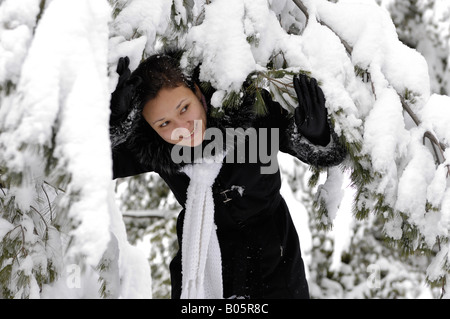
point(164, 124)
point(184, 109)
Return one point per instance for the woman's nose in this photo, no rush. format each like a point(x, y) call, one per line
point(183, 129)
point(183, 124)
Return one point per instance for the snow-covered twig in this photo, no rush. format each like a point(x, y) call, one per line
point(303, 8)
point(48, 201)
point(149, 213)
point(43, 219)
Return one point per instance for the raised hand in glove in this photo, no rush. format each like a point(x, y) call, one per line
point(311, 115)
point(125, 89)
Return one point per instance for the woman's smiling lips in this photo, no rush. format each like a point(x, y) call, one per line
point(192, 133)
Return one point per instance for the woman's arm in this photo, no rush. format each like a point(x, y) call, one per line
point(125, 162)
point(294, 142)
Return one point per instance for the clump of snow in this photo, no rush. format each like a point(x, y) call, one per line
point(5, 227)
point(64, 84)
point(148, 18)
point(15, 35)
point(331, 191)
point(371, 33)
point(436, 116)
point(226, 59)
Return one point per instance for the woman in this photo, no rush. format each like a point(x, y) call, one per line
point(235, 233)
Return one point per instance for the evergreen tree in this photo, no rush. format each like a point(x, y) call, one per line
point(60, 227)
point(424, 25)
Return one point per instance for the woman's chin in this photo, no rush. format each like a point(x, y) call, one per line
point(190, 142)
point(196, 142)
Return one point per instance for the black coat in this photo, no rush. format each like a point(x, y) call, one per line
point(260, 249)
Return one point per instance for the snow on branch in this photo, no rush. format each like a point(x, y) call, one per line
point(438, 147)
point(403, 176)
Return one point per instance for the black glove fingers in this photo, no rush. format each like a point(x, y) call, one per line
point(119, 68)
point(313, 90)
point(321, 109)
point(320, 95)
point(121, 98)
point(316, 91)
point(123, 71)
point(298, 91)
point(123, 64)
point(311, 115)
point(300, 110)
point(299, 116)
point(305, 89)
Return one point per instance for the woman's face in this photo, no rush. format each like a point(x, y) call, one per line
point(177, 115)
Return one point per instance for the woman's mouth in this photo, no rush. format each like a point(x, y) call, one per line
point(191, 134)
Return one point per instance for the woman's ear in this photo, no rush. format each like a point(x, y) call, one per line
point(200, 96)
point(198, 92)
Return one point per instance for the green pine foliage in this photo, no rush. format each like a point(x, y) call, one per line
point(31, 248)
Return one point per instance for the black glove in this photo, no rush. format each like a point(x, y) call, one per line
point(311, 115)
point(125, 89)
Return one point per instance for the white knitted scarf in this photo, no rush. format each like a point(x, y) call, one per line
point(201, 259)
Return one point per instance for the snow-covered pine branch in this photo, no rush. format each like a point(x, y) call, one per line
point(57, 69)
point(404, 178)
point(437, 146)
point(54, 117)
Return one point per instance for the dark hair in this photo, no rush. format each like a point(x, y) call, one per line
point(157, 72)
